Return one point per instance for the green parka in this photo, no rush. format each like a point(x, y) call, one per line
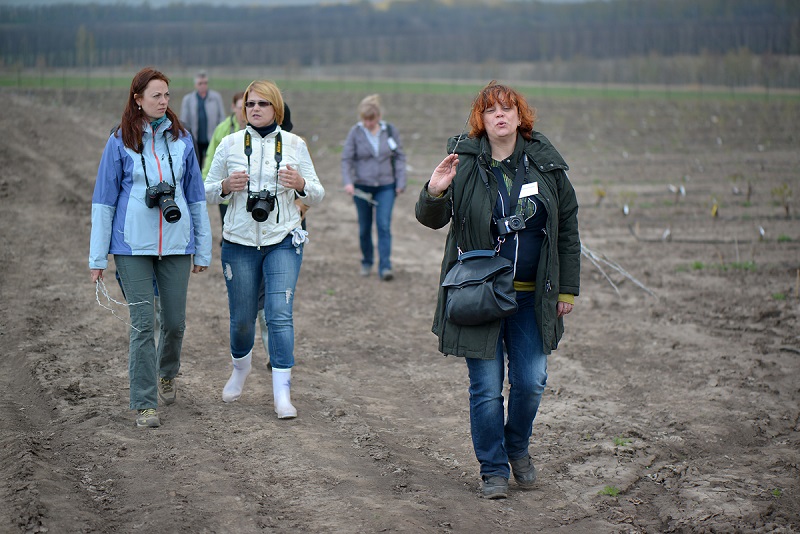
point(467, 205)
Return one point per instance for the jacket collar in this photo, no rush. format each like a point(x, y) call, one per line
point(255, 134)
point(539, 149)
point(163, 127)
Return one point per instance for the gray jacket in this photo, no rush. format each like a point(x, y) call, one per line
point(215, 113)
point(360, 165)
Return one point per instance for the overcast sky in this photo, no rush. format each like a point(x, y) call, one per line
point(161, 3)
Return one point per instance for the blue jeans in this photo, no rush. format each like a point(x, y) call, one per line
point(384, 195)
point(145, 364)
point(496, 440)
point(245, 268)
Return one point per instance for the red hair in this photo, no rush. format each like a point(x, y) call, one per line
point(493, 94)
point(133, 118)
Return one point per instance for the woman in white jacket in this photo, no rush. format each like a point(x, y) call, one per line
point(261, 170)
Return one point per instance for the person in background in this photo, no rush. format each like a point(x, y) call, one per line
point(201, 111)
point(262, 170)
point(504, 169)
point(149, 211)
point(374, 173)
point(235, 122)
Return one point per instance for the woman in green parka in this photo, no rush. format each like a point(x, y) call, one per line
point(505, 170)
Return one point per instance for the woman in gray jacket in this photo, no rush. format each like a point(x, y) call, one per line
point(374, 173)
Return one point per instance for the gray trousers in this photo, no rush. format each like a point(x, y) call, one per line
point(145, 363)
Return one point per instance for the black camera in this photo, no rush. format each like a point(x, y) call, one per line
point(163, 196)
point(512, 223)
point(259, 204)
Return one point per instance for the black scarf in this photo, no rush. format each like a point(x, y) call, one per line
point(264, 131)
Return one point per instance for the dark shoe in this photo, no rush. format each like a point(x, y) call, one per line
point(524, 471)
point(387, 275)
point(167, 390)
point(495, 487)
point(147, 418)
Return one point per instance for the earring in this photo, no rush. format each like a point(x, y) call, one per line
point(140, 108)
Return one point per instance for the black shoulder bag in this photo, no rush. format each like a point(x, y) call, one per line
point(479, 287)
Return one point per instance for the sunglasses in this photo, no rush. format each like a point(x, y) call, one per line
point(261, 104)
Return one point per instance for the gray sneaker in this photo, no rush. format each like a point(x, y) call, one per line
point(524, 472)
point(387, 275)
point(147, 418)
point(365, 270)
point(495, 487)
point(167, 390)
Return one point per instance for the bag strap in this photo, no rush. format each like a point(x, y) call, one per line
point(393, 147)
point(500, 239)
point(481, 253)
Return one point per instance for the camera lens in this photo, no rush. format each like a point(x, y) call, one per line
point(170, 210)
point(515, 224)
point(260, 211)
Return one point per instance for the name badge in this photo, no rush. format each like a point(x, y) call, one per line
point(529, 190)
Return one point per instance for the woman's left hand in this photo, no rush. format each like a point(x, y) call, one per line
point(291, 179)
point(563, 308)
point(199, 268)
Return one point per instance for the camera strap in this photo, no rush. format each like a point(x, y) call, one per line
point(511, 199)
point(248, 151)
point(169, 159)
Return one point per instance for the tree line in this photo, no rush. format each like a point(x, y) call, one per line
point(420, 31)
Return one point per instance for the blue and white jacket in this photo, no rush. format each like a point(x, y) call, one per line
point(121, 221)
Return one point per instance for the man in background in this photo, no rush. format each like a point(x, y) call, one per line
point(201, 111)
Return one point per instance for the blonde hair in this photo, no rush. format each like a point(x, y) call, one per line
point(370, 107)
point(268, 90)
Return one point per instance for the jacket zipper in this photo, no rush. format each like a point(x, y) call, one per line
point(260, 175)
point(160, 219)
point(548, 286)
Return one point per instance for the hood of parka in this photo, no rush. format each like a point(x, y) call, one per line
point(539, 149)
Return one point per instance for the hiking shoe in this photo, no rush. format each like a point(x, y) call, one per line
point(148, 418)
point(387, 275)
point(167, 390)
point(495, 487)
point(524, 471)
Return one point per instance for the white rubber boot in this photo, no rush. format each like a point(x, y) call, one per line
point(281, 386)
point(241, 368)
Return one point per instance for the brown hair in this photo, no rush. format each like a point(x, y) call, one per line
point(133, 118)
point(493, 94)
point(238, 95)
point(268, 90)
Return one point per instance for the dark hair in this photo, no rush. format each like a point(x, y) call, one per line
point(133, 118)
point(237, 96)
point(493, 94)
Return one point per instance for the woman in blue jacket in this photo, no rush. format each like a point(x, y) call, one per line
point(149, 211)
